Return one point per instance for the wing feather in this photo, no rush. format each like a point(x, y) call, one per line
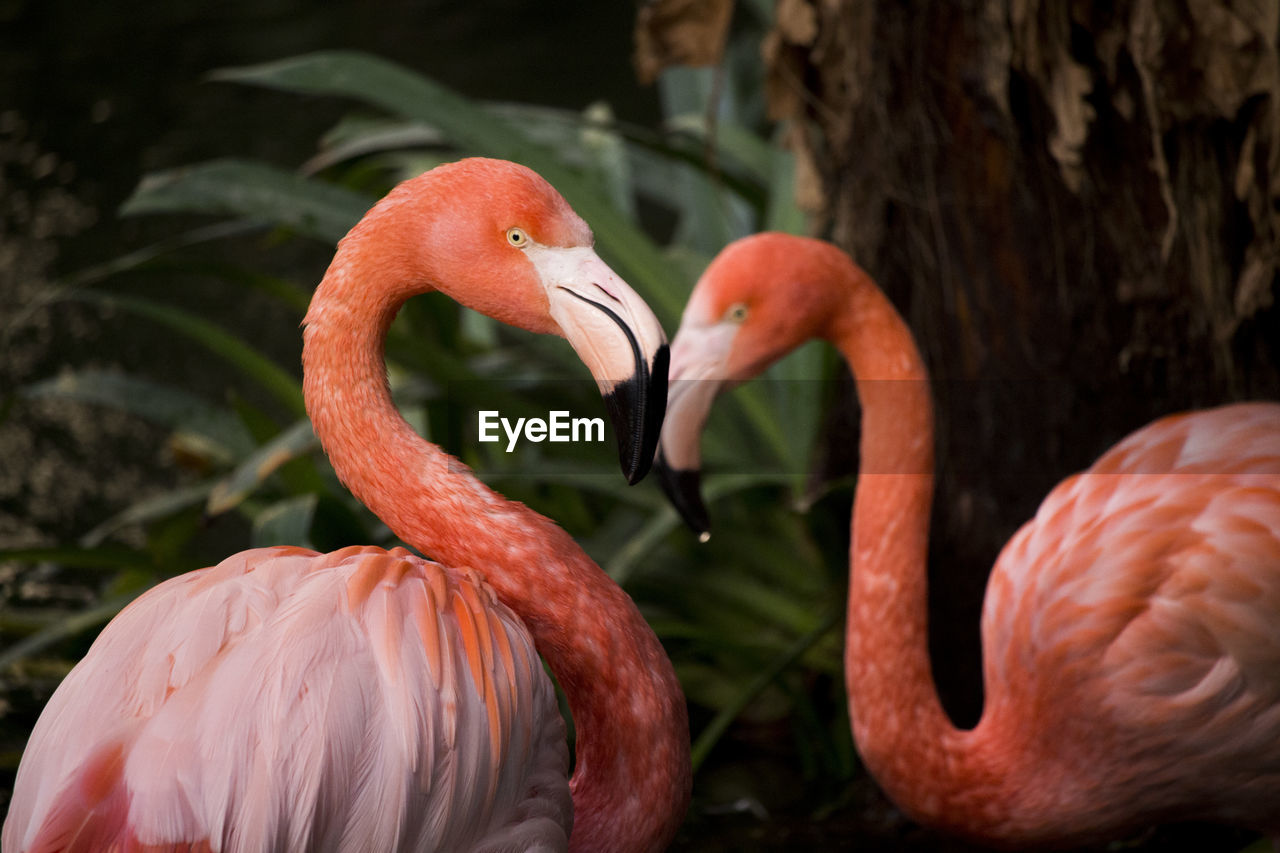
point(294, 701)
point(1147, 588)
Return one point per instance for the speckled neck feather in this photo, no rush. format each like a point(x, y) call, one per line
point(631, 781)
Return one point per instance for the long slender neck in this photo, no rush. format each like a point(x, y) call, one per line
point(903, 734)
point(631, 780)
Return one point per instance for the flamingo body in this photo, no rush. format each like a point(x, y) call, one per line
point(1131, 629)
point(1147, 591)
point(373, 700)
point(394, 686)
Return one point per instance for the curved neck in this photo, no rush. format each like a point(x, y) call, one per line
point(905, 738)
point(631, 780)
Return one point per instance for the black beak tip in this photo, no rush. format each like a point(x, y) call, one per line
point(635, 470)
point(637, 407)
point(683, 487)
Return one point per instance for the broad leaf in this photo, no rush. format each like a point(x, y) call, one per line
point(296, 441)
point(281, 384)
point(476, 129)
point(286, 523)
point(163, 405)
point(254, 191)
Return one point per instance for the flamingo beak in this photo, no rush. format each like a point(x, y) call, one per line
point(699, 359)
point(620, 341)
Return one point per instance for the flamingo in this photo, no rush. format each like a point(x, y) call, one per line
point(1130, 631)
point(369, 699)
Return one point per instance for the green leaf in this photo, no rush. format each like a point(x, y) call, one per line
point(662, 522)
point(711, 215)
point(397, 90)
point(782, 213)
point(472, 127)
point(736, 147)
point(148, 254)
point(148, 509)
point(280, 383)
point(286, 523)
point(100, 557)
point(607, 155)
point(257, 191)
point(715, 729)
point(163, 405)
point(294, 442)
point(290, 293)
point(76, 623)
point(359, 136)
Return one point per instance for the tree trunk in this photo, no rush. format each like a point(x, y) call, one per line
point(1074, 204)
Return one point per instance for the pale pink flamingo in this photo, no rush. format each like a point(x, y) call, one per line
point(370, 700)
point(1131, 630)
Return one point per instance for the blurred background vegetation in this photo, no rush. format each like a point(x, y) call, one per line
point(174, 179)
point(152, 395)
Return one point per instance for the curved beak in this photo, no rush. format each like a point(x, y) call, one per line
point(619, 340)
point(699, 359)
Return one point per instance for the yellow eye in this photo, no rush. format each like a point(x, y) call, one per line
point(737, 312)
point(517, 237)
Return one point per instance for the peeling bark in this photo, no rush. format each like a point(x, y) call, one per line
point(679, 32)
point(1075, 206)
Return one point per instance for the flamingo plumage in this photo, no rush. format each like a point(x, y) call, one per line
point(370, 699)
point(1130, 631)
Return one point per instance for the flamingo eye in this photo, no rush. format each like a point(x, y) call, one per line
point(517, 237)
point(737, 312)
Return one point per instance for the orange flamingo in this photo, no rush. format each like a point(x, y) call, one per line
point(369, 699)
point(1131, 630)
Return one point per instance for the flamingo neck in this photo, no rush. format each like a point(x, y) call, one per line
point(631, 780)
point(904, 735)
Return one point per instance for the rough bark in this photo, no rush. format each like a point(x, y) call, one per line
point(1075, 206)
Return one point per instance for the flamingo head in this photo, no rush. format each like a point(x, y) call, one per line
point(497, 238)
point(760, 298)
